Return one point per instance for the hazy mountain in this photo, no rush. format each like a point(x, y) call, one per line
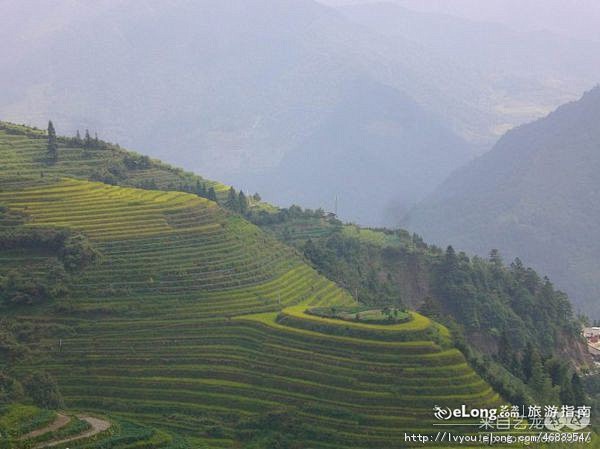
point(528, 72)
point(378, 152)
point(487, 46)
point(535, 195)
point(226, 86)
point(573, 18)
point(237, 88)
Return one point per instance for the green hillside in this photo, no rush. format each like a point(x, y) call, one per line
point(24, 156)
point(149, 332)
point(504, 316)
point(186, 326)
point(26, 427)
point(534, 195)
point(190, 321)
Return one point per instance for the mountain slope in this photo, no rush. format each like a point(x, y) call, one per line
point(527, 73)
point(534, 195)
point(229, 87)
point(191, 320)
point(377, 149)
point(24, 157)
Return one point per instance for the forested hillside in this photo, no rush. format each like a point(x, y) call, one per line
point(506, 314)
point(535, 196)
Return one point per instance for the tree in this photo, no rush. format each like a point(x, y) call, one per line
point(212, 195)
point(506, 354)
point(540, 381)
point(527, 361)
point(6, 441)
point(431, 308)
point(87, 143)
point(243, 201)
point(310, 250)
point(450, 261)
point(201, 189)
point(52, 144)
point(495, 258)
point(42, 388)
point(558, 371)
point(10, 389)
point(578, 391)
point(538, 374)
point(232, 202)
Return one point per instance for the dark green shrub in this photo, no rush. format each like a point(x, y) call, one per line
point(10, 389)
point(43, 390)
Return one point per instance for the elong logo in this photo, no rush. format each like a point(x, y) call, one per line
point(445, 413)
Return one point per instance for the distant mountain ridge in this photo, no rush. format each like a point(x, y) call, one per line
point(535, 195)
point(377, 152)
point(237, 87)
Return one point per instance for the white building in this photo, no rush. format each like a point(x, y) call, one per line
point(589, 332)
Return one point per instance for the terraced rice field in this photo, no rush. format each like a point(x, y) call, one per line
point(303, 229)
point(23, 158)
point(167, 331)
point(192, 324)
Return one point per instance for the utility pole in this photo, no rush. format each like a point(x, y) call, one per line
point(335, 209)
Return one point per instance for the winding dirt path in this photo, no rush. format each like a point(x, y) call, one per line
point(60, 421)
point(98, 425)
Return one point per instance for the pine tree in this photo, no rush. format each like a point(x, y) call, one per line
point(505, 351)
point(538, 375)
point(450, 260)
point(52, 144)
point(527, 361)
point(78, 138)
point(232, 202)
point(200, 189)
point(243, 201)
point(212, 195)
point(87, 143)
point(578, 390)
point(540, 381)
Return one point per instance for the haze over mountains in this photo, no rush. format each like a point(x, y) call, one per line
point(239, 89)
point(535, 195)
point(382, 151)
point(573, 18)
